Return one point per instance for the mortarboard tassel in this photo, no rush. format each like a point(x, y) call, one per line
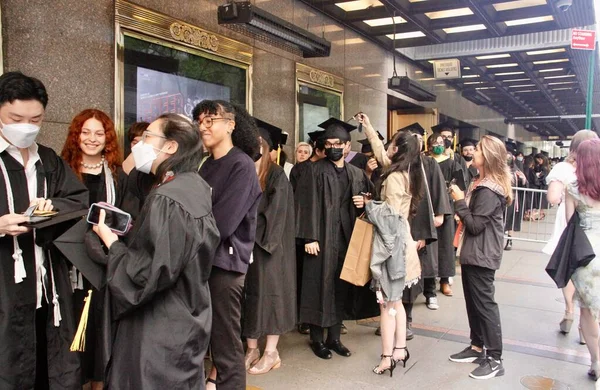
point(79, 340)
point(278, 154)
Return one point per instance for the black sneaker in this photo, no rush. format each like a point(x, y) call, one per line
point(467, 355)
point(489, 368)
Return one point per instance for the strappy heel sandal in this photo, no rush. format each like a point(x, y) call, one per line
point(391, 368)
point(406, 356)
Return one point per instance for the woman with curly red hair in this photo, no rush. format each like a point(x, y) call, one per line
point(92, 150)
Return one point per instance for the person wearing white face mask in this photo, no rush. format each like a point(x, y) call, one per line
point(37, 320)
point(160, 297)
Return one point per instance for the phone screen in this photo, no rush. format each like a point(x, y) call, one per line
point(115, 220)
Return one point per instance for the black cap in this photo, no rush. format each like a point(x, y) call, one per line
point(283, 139)
point(315, 135)
point(366, 146)
point(335, 128)
point(415, 128)
point(268, 132)
point(468, 142)
point(450, 125)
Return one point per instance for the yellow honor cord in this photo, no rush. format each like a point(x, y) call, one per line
point(78, 344)
point(278, 154)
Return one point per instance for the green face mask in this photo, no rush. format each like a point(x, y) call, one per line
point(439, 149)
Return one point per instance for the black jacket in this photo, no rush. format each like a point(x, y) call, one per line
point(483, 222)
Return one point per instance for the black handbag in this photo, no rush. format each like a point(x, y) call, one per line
point(572, 251)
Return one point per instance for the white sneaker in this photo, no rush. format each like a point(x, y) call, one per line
point(451, 280)
point(432, 303)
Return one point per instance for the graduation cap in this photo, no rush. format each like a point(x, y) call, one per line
point(468, 142)
point(366, 146)
point(283, 139)
point(415, 128)
point(316, 135)
point(447, 125)
point(270, 133)
point(335, 128)
point(72, 245)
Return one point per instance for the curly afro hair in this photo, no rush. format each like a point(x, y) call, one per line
point(245, 134)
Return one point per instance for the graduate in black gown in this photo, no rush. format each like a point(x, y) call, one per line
point(160, 298)
point(304, 168)
point(270, 306)
point(447, 131)
point(37, 324)
point(93, 153)
point(328, 206)
point(445, 248)
point(467, 147)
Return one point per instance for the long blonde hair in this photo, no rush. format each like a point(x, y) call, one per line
point(494, 164)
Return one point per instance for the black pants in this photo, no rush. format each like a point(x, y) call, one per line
point(408, 310)
point(225, 341)
point(429, 286)
point(333, 333)
point(482, 309)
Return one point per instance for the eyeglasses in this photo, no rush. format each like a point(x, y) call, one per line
point(147, 133)
point(336, 145)
point(208, 121)
point(447, 136)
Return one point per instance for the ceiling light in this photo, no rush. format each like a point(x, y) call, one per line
point(562, 82)
point(537, 19)
point(407, 35)
point(559, 77)
point(550, 61)
point(521, 86)
point(549, 51)
point(513, 80)
point(493, 56)
point(451, 90)
point(427, 79)
point(418, 71)
point(518, 4)
point(246, 18)
point(562, 89)
point(473, 82)
point(454, 30)
point(372, 75)
point(449, 13)
point(358, 5)
point(384, 21)
point(484, 88)
point(508, 73)
point(467, 68)
point(552, 70)
point(470, 76)
point(528, 90)
point(502, 65)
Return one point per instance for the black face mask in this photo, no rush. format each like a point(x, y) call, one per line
point(447, 143)
point(468, 158)
point(334, 154)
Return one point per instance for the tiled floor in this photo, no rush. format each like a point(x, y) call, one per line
point(530, 306)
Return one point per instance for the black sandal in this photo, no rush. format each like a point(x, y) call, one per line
point(391, 368)
point(406, 356)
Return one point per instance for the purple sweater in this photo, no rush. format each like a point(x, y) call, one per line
point(235, 197)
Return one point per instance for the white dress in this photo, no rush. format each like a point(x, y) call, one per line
point(565, 173)
point(587, 279)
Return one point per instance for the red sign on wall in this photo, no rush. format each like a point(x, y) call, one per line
point(583, 39)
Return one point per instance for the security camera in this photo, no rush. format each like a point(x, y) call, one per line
point(564, 5)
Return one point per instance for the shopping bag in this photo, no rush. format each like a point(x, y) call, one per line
point(357, 264)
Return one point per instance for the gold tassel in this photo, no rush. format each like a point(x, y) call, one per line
point(278, 154)
point(455, 139)
point(79, 340)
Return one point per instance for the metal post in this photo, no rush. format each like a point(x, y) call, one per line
point(590, 89)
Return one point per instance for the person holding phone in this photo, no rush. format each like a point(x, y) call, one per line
point(158, 284)
point(37, 323)
point(480, 240)
point(93, 153)
point(401, 188)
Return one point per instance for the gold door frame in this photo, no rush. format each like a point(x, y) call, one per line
point(154, 27)
point(317, 79)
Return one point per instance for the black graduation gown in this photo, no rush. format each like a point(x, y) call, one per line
point(422, 224)
point(158, 284)
point(326, 299)
point(444, 244)
point(270, 307)
point(92, 359)
point(298, 171)
point(360, 161)
point(18, 301)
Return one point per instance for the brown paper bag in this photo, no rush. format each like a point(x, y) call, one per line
point(357, 264)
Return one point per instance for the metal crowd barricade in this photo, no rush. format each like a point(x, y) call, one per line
point(530, 217)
